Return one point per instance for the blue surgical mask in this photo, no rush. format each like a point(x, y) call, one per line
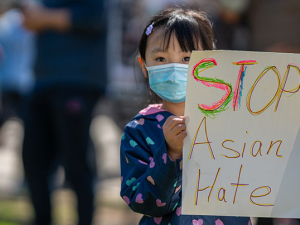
point(168, 81)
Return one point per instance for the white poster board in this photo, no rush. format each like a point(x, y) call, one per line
point(242, 153)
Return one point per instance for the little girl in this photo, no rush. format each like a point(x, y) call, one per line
point(151, 146)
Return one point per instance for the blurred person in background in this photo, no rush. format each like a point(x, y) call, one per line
point(230, 24)
point(16, 72)
point(258, 25)
point(274, 25)
point(70, 71)
point(1, 58)
point(1, 54)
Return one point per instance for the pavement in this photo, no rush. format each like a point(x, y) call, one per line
point(11, 170)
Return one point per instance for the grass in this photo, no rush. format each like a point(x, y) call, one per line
point(18, 210)
point(15, 211)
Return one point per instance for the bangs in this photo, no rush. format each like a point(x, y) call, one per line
point(192, 29)
point(186, 31)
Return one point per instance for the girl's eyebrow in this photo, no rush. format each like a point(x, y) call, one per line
point(159, 49)
point(155, 50)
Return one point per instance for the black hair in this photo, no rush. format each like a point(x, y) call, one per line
point(191, 28)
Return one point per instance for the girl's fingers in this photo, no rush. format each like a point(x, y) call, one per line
point(182, 135)
point(179, 139)
point(168, 121)
point(175, 131)
point(177, 142)
point(178, 128)
point(172, 121)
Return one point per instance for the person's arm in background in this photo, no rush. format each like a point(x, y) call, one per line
point(85, 16)
point(38, 18)
point(1, 54)
point(231, 10)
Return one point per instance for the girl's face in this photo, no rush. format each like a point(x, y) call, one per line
point(157, 55)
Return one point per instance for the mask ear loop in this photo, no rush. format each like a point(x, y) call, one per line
point(143, 66)
point(141, 61)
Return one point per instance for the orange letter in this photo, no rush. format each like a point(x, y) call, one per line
point(259, 149)
point(238, 184)
point(211, 187)
point(236, 152)
point(274, 69)
point(223, 197)
point(258, 196)
point(283, 83)
point(271, 145)
point(207, 141)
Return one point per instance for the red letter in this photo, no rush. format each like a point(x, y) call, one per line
point(239, 83)
point(220, 106)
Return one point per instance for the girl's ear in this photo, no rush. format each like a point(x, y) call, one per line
point(142, 64)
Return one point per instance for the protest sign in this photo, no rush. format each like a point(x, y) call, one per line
point(242, 153)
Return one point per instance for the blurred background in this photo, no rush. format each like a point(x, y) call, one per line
point(252, 25)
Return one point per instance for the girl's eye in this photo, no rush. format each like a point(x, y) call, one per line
point(160, 59)
point(186, 59)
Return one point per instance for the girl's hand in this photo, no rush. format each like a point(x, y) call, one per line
point(175, 131)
